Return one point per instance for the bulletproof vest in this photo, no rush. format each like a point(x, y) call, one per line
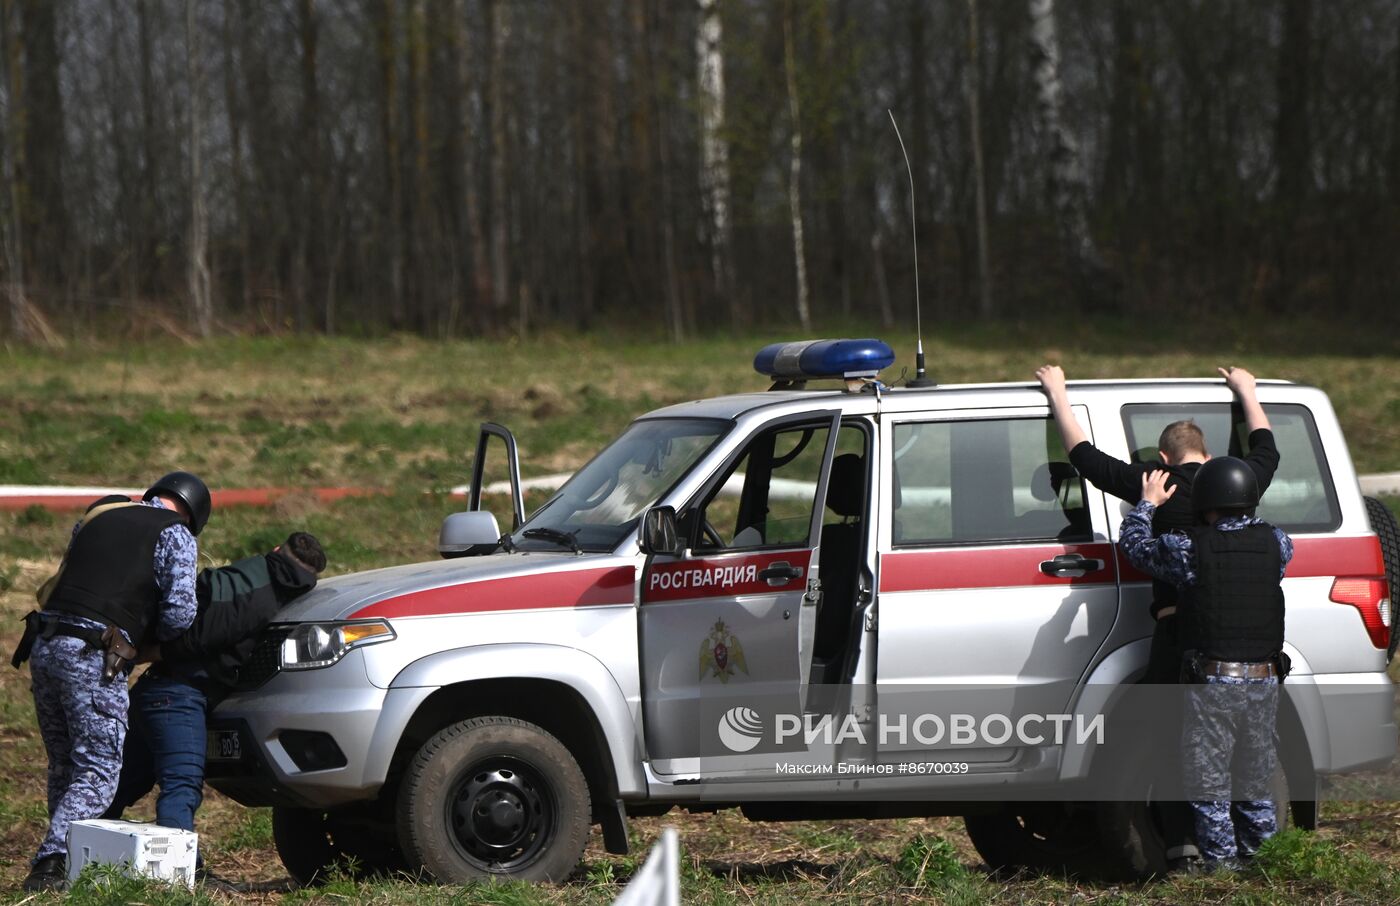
point(1234, 612)
point(109, 573)
point(1174, 515)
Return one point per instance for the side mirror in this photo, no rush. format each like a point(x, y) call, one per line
point(468, 534)
point(659, 535)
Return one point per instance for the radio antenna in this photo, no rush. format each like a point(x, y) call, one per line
point(921, 378)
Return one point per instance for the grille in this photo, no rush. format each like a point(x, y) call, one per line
point(265, 661)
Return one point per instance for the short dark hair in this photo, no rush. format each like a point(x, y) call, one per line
point(1180, 438)
point(305, 547)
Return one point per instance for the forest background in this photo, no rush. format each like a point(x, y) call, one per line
point(485, 167)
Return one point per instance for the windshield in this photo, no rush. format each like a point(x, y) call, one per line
point(601, 504)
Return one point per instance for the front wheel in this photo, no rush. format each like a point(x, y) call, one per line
point(494, 797)
point(312, 843)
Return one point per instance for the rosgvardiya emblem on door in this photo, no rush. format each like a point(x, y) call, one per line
point(721, 654)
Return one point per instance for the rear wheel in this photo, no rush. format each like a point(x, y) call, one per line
point(1383, 524)
point(1039, 836)
point(1134, 828)
point(494, 797)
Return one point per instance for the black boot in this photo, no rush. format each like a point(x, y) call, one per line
point(49, 873)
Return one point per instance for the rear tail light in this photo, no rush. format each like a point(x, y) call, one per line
point(1371, 598)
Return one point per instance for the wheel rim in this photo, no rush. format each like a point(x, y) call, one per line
point(502, 813)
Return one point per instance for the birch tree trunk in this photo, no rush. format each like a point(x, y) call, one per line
point(974, 103)
point(201, 301)
point(714, 152)
point(804, 307)
point(1068, 189)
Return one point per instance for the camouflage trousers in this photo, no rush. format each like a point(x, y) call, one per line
point(83, 723)
point(1228, 759)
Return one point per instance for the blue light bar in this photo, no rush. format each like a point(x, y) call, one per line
point(812, 359)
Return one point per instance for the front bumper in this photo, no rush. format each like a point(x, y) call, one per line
point(365, 722)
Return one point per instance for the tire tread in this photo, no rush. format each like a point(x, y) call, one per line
point(1384, 525)
point(413, 838)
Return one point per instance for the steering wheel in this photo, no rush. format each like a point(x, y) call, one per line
point(600, 495)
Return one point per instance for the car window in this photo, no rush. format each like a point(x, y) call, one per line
point(1301, 497)
point(767, 498)
point(601, 504)
point(983, 480)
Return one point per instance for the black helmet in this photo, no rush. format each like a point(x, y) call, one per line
point(1224, 483)
point(189, 489)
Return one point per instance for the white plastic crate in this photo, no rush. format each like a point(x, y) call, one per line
point(164, 853)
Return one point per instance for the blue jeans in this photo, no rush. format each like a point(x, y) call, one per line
point(165, 746)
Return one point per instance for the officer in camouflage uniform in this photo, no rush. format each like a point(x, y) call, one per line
point(1229, 570)
point(1182, 450)
point(128, 576)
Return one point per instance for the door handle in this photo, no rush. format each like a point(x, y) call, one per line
point(780, 573)
point(1068, 563)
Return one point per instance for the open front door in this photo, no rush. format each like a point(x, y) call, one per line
point(517, 502)
point(731, 621)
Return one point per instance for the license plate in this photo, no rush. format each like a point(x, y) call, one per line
point(224, 745)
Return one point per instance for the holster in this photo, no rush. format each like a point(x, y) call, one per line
point(1191, 667)
point(26, 641)
point(118, 653)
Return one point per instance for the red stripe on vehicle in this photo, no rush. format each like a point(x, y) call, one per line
point(722, 577)
point(990, 567)
point(1312, 557)
point(541, 591)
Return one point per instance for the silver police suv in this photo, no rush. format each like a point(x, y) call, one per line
point(710, 613)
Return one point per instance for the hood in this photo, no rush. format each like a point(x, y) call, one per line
point(469, 585)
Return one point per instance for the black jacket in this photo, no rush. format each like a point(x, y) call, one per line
point(1124, 481)
point(235, 603)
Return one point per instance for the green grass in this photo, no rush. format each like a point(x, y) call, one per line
point(929, 861)
point(402, 414)
point(254, 831)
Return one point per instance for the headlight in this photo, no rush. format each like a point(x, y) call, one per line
point(311, 645)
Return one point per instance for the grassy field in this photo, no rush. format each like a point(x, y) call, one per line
point(401, 414)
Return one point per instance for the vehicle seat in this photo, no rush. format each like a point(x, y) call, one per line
point(1047, 486)
point(842, 543)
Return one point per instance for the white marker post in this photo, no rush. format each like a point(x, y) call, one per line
point(658, 882)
